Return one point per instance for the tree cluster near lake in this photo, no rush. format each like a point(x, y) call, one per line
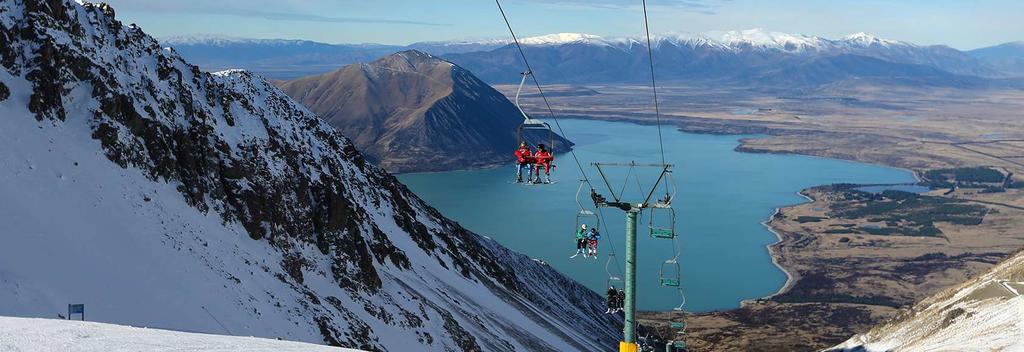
point(967, 177)
point(903, 213)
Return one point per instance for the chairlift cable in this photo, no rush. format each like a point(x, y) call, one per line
point(654, 86)
point(611, 245)
point(541, 91)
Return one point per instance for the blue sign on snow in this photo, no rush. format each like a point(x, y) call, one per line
point(76, 309)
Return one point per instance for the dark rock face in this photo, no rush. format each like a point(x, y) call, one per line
point(238, 147)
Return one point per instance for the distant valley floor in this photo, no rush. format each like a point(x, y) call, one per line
point(855, 259)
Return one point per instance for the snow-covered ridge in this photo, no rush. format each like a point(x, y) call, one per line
point(561, 38)
point(983, 314)
point(43, 335)
point(865, 39)
point(160, 195)
point(734, 40)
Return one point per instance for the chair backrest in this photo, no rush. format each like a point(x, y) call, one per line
point(669, 273)
point(535, 125)
point(662, 222)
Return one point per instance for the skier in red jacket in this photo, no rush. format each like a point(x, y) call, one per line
point(543, 158)
point(524, 159)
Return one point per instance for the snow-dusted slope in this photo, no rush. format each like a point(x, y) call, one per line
point(984, 314)
point(51, 335)
point(162, 196)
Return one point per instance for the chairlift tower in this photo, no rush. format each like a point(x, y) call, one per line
point(632, 210)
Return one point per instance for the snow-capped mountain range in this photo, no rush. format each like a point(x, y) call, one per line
point(725, 39)
point(747, 56)
point(160, 195)
point(734, 40)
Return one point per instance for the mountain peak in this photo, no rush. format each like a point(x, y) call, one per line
point(866, 39)
point(560, 38)
point(759, 37)
point(414, 55)
point(409, 61)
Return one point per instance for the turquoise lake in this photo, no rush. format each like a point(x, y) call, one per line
point(723, 197)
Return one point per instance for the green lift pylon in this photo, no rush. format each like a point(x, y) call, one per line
point(629, 306)
point(632, 210)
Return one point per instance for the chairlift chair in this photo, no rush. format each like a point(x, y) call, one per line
point(585, 216)
point(613, 281)
point(662, 222)
point(531, 124)
point(662, 217)
point(669, 273)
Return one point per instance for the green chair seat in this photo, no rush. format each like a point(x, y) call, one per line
point(670, 282)
point(663, 233)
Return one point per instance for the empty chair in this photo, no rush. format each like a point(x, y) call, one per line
point(662, 223)
point(669, 275)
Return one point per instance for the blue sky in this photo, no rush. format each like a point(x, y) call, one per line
point(963, 24)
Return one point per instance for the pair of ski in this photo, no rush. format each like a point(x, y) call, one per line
point(535, 183)
point(585, 256)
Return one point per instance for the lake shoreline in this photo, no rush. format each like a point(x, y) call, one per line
point(776, 203)
point(776, 255)
point(740, 128)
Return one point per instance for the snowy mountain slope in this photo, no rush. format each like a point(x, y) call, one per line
point(51, 335)
point(984, 314)
point(159, 195)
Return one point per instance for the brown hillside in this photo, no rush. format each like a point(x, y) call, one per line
point(411, 111)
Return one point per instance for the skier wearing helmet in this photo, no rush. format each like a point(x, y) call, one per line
point(581, 241)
